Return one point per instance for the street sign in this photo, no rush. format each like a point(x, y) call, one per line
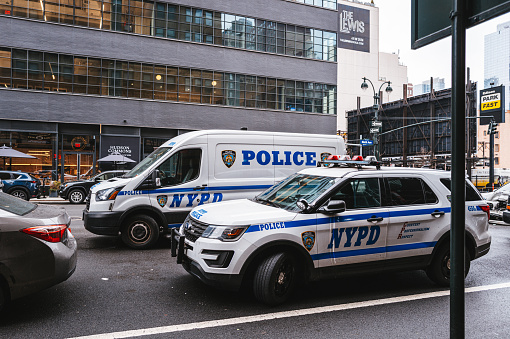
point(375, 130)
point(375, 123)
point(430, 19)
point(366, 142)
point(492, 105)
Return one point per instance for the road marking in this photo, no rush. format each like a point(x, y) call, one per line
point(286, 314)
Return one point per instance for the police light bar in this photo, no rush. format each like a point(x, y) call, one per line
point(356, 161)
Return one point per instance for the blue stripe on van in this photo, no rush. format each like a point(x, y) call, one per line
point(192, 189)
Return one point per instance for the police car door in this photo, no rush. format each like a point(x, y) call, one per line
point(359, 233)
point(416, 216)
point(183, 178)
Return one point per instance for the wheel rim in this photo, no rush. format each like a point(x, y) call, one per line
point(284, 277)
point(140, 232)
point(76, 196)
point(19, 194)
point(446, 265)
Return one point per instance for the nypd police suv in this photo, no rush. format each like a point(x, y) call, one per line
point(330, 221)
point(195, 169)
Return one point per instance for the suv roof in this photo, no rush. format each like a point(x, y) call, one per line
point(343, 171)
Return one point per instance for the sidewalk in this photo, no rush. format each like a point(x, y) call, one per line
point(49, 200)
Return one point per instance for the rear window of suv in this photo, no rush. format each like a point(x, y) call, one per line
point(471, 193)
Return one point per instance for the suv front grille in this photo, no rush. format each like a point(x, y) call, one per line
point(193, 229)
point(87, 200)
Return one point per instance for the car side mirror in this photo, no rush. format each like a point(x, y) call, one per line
point(333, 206)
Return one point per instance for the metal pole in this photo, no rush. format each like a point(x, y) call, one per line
point(457, 302)
point(491, 159)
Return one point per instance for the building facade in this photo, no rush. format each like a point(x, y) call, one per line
point(497, 59)
point(424, 87)
point(359, 56)
point(81, 79)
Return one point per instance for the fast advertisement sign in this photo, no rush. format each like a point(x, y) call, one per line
point(354, 28)
point(492, 104)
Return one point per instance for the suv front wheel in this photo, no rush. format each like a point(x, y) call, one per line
point(275, 279)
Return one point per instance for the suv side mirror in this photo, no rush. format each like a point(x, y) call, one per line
point(333, 206)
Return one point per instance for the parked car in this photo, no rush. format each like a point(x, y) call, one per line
point(20, 184)
point(497, 201)
point(37, 249)
point(77, 191)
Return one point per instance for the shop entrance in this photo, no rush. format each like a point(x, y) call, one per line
point(77, 165)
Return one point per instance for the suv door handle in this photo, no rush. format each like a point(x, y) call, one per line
point(199, 188)
point(437, 214)
point(375, 219)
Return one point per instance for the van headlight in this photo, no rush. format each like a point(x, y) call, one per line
point(108, 194)
point(224, 233)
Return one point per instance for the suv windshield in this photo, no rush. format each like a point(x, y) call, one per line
point(298, 186)
point(15, 205)
point(147, 162)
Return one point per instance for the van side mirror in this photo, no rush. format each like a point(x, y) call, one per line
point(333, 206)
point(151, 181)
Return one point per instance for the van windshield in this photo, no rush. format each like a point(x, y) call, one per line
point(287, 193)
point(148, 162)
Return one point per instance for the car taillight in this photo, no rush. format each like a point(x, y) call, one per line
point(50, 233)
point(486, 209)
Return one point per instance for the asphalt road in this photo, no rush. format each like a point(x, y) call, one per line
point(116, 289)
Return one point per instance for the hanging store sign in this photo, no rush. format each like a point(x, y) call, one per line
point(126, 146)
point(354, 28)
point(492, 105)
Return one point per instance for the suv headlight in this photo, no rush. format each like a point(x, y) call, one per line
point(224, 233)
point(108, 194)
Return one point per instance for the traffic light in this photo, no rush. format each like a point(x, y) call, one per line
point(492, 128)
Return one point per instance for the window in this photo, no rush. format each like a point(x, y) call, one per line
point(360, 193)
point(181, 167)
point(471, 193)
point(409, 191)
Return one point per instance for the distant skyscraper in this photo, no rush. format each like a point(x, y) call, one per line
point(424, 87)
point(497, 59)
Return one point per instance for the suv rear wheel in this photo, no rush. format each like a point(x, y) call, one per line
point(19, 193)
point(275, 279)
point(439, 269)
point(76, 196)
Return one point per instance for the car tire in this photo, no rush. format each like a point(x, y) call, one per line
point(439, 269)
point(76, 196)
point(275, 279)
point(140, 232)
point(4, 296)
point(20, 193)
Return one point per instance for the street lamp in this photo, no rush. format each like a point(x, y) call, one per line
point(376, 124)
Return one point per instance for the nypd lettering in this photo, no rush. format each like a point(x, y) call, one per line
point(186, 200)
point(277, 158)
point(354, 236)
point(198, 214)
point(271, 226)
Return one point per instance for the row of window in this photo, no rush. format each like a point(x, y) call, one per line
point(67, 73)
point(322, 3)
point(181, 22)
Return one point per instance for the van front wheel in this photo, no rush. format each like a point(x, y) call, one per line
point(140, 232)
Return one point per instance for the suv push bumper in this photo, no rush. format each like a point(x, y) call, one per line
point(506, 216)
point(102, 223)
point(222, 281)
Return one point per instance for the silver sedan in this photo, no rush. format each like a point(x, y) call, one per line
point(37, 249)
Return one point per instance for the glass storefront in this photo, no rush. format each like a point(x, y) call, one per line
point(77, 157)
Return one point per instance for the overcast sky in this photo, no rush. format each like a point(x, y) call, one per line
point(433, 60)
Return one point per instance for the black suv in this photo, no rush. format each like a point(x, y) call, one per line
point(77, 191)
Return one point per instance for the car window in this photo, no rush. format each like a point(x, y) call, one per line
point(181, 167)
point(359, 193)
point(471, 193)
point(410, 191)
point(5, 176)
point(14, 205)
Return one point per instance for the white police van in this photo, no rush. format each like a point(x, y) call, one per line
point(325, 222)
point(195, 169)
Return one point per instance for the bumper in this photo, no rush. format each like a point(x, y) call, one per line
point(221, 281)
point(102, 223)
point(482, 250)
point(62, 194)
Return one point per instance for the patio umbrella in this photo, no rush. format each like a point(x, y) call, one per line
point(8, 152)
point(116, 158)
